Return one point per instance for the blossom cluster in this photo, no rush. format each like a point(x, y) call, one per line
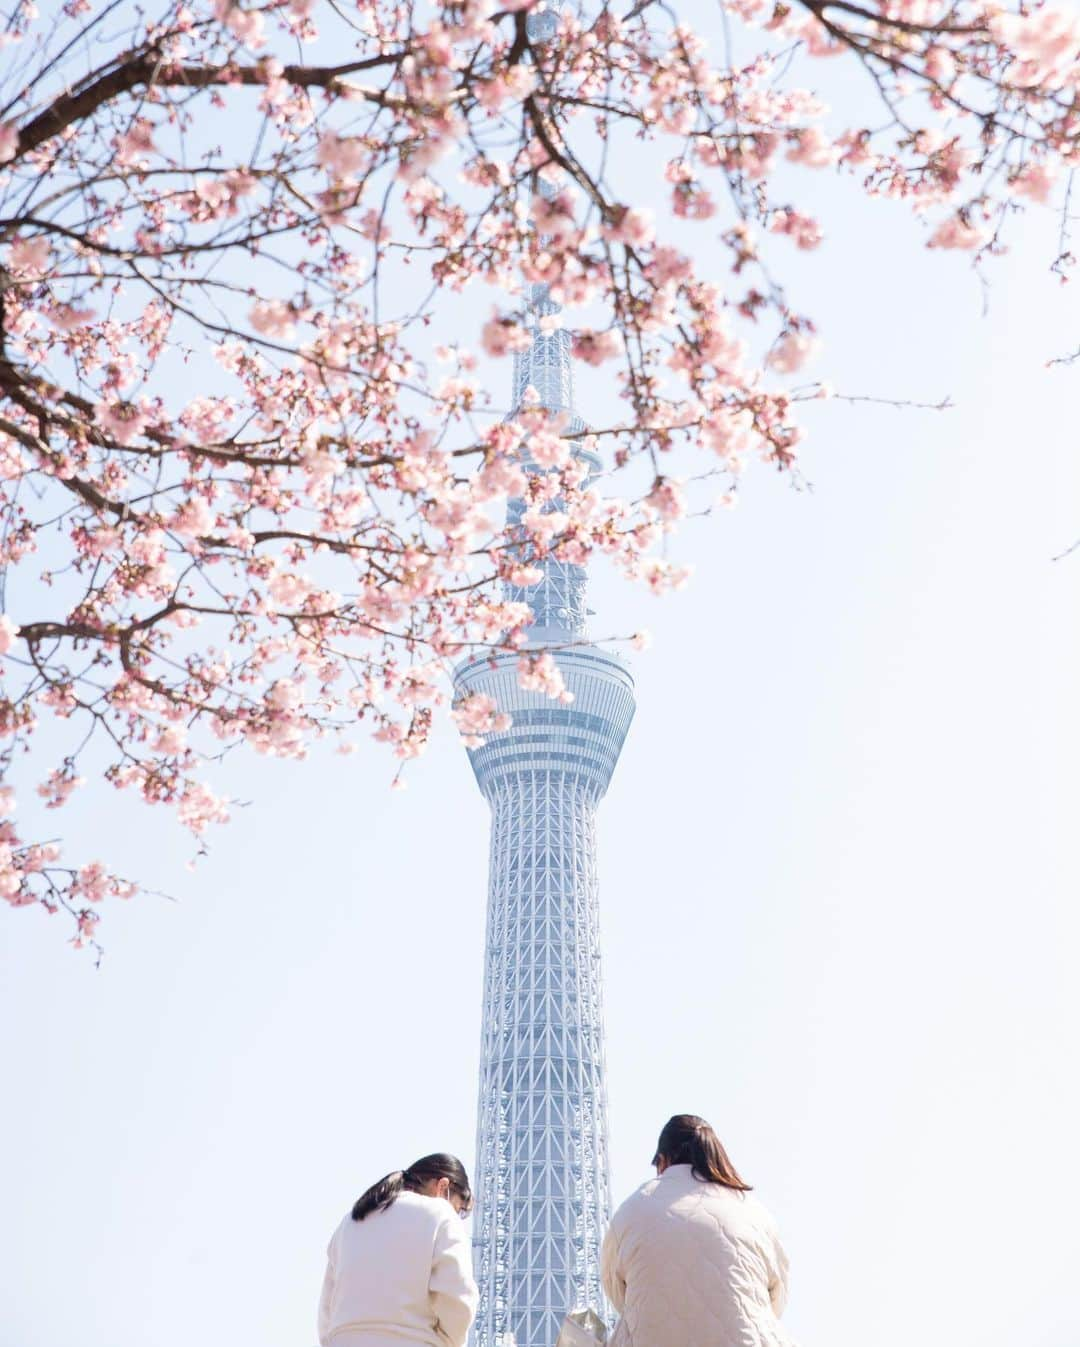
point(244, 503)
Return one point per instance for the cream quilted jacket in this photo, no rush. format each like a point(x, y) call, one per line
point(400, 1276)
point(692, 1264)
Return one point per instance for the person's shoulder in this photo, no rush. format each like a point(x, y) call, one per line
point(760, 1212)
point(750, 1207)
point(745, 1198)
point(645, 1191)
point(635, 1200)
point(420, 1202)
point(431, 1211)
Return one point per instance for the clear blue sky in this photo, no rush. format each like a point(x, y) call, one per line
point(839, 881)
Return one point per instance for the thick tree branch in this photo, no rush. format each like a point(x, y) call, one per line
point(149, 68)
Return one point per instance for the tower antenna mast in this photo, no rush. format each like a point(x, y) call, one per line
point(543, 1188)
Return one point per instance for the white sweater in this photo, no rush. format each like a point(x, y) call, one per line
point(400, 1274)
point(692, 1264)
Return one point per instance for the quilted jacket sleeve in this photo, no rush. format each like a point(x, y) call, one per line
point(778, 1279)
point(610, 1271)
point(327, 1296)
point(453, 1291)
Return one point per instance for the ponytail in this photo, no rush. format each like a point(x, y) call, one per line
point(414, 1180)
point(380, 1195)
point(689, 1140)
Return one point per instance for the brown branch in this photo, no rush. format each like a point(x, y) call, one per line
point(42, 631)
point(521, 40)
point(146, 68)
point(79, 485)
point(817, 8)
point(570, 164)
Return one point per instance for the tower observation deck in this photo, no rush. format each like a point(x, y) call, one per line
point(543, 1191)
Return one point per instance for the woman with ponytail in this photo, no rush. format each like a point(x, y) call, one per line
point(399, 1266)
point(692, 1259)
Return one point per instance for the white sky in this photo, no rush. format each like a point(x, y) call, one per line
point(838, 879)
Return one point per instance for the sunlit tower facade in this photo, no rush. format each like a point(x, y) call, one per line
point(543, 1190)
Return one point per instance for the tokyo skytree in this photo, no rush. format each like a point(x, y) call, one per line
point(543, 1190)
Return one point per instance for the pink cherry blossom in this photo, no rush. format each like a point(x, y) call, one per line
point(661, 576)
point(805, 231)
point(1035, 181)
point(667, 498)
point(59, 785)
point(727, 431)
point(9, 142)
point(524, 575)
point(477, 716)
point(596, 347)
point(29, 256)
point(273, 318)
point(1046, 41)
point(555, 215)
point(93, 882)
point(246, 25)
point(121, 421)
point(260, 492)
point(136, 144)
point(11, 882)
point(632, 225)
point(548, 449)
point(193, 518)
point(791, 352)
point(941, 66)
point(199, 807)
point(508, 86)
point(690, 201)
point(813, 149)
point(502, 336)
point(957, 232)
point(538, 672)
point(86, 925)
point(344, 156)
point(819, 41)
point(68, 318)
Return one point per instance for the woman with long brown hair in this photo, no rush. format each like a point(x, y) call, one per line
point(399, 1266)
point(692, 1259)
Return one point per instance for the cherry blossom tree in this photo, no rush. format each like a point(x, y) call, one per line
point(252, 493)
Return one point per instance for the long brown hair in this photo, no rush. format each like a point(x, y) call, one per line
point(687, 1139)
point(414, 1180)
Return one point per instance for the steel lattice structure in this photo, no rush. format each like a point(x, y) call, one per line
point(543, 1193)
